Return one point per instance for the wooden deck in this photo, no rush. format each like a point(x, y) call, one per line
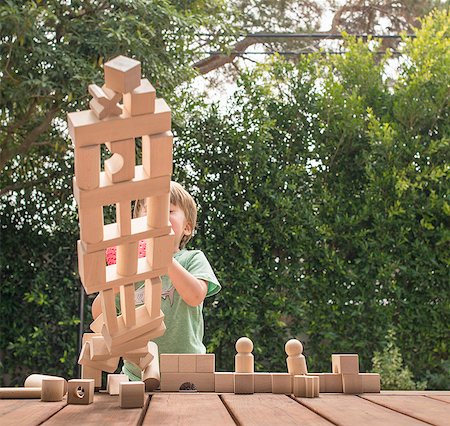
point(387, 408)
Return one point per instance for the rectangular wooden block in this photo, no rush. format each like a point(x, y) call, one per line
point(282, 383)
point(113, 381)
point(122, 74)
point(123, 217)
point(160, 251)
point(370, 382)
point(152, 295)
point(187, 363)
point(80, 391)
point(92, 373)
point(141, 186)
point(345, 363)
point(168, 363)
point(131, 394)
point(121, 165)
point(141, 100)
point(223, 382)
point(127, 304)
point(86, 129)
point(263, 382)
point(111, 236)
point(91, 267)
point(109, 311)
point(306, 386)
point(206, 363)
point(352, 383)
point(87, 166)
point(157, 154)
point(109, 365)
point(91, 224)
point(244, 383)
point(329, 382)
point(171, 382)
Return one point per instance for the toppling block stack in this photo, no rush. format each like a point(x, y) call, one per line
point(122, 181)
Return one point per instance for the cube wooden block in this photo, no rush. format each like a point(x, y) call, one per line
point(168, 363)
point(282, 383)
point(345, 363)
point(352, 383)
point(160, 251)
point(157, 154)
point(223, 382)
point(98, 349)
point(172, 382)
point(80, 391)
point(370, 382)
point(263, 382)
point(92, 373)
point(244, 383)
point(329, 382)
point(131, 394)
point(206, 363)
point(306, 386)
point(141, 100)
point(187, 363)
point(113, 381)
point(122, 74)
point(86, 129)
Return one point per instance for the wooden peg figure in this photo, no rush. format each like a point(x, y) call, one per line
point(296, 362)
point(244, 361)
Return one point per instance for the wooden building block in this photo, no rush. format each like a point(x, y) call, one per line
point(127, 258)
point(158, 210)
point(113, 381)
point(306, 386)
point(109, 312)
point(92, 373)
point(120, 167)
point(141, 100)
point(131, 394)
point(86, 129)
point(263, 382)
point(119, 350)
point(108, 193)
point(104, 101)
point(206, 363)
point(370, 382)
point(244, 383)
point(329, 382)
point(87, 166)
point(122, 74)
point(127, 304)
point(52, 389)
point(81, 391)
point(20, 393)
point(35, 381)
point(223, 382)
point(145, 360)
point(352, 383)
point(168, 363)
point(160, 251)
point(112, 237)
point(157, 153)
point(98, 349)
point(152, 296)
point(244, 361)
point(187, 363)
point(172, 382)
point(91, 224)
point(108, 365)
point(345, 363)
point(91, 267)
point(282, 383)
point(151, 375)
point(123, 217)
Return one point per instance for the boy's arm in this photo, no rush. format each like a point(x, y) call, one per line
point(192, 290)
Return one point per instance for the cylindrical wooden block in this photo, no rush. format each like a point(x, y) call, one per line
point(20, 393)
point(127, 258)
point(35, 380)
point(52, 389)
point(244, 363)
point(296, 365)
point(151, 376)
point(158, 208)
point(91, 224)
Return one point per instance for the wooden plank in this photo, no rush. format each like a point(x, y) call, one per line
point(417, 406)
point(443, 398)
point(184, 409)
point(270, 409)
point(351, 410)
point(104, 411)
point(27, 411)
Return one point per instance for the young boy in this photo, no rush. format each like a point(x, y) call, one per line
point(190, 279)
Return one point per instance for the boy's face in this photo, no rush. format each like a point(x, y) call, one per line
point(179, 224)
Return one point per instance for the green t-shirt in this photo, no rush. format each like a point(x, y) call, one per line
point(184, 323)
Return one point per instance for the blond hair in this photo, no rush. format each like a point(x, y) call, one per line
point(178, 197)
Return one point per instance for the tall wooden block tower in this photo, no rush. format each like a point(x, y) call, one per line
point(122, 181)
